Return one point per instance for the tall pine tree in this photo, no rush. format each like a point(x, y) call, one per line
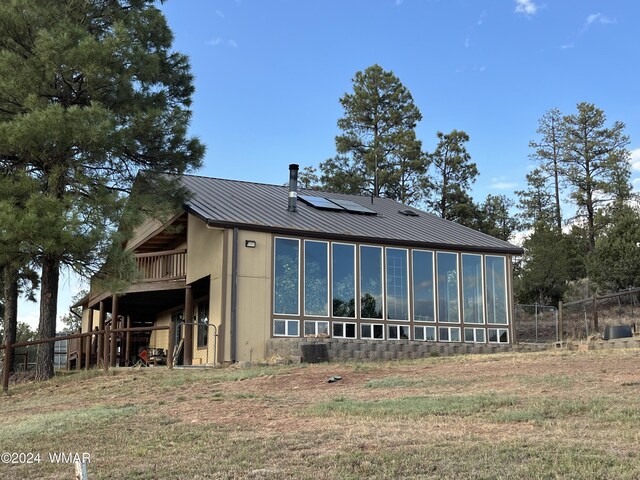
point(91, 94)
point(378, 152)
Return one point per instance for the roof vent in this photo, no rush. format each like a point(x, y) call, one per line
point(408, 213)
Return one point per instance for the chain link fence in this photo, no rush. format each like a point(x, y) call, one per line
point(536, 324)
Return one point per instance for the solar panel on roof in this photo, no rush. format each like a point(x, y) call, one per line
point(320, 203)
point(353, 207)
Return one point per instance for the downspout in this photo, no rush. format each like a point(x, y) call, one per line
point(234, 293)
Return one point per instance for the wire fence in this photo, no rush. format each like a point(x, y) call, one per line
point(536, 324)
point(585, 318)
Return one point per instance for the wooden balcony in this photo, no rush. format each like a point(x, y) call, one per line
point(162, 266)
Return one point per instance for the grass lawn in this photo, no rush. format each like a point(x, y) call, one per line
point(538, 415)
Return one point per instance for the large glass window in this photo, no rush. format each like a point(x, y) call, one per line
point(449, 334)
point(498, 335)
point(397, 285)
point(472, 305)
point(286, 280)
point(370, 282)
point(343, 285)
point(448, 287)
point(423, 291)
point(496, 279)
point(398, 332)
point(316, 278)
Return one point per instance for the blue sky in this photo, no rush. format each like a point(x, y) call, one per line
point(269, 76)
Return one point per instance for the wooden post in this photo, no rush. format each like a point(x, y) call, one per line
point(114, 325)
point(105, 348)
point(560, 321)
point(172, 343)
point(100, 350)
point(8, 353)
point(595, 314)
point(188, 326)
point(87, 361)
point(80, 341)
point(127, 350)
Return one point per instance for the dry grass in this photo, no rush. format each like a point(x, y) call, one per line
point(545, 415)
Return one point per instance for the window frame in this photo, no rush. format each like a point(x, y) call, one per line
point(506, 292)
point(275, 256)
point(304, 278)
point(407, 285)
point(344, 329)
point(356, 308)
point(372, 325)
point(449, 330)
point(482, 289)
point(498, 329)
point(433, 283)
point(287, 322)
point(457, 255)
point(316, 324)
point(399, 327)
point(475, 336)
point(424, 333)
point(383, 292)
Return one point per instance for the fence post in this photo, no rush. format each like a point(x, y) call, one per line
point(595, 314)
point(172, 341)
point(559, 323)
point(105, 348)
point(8, 353)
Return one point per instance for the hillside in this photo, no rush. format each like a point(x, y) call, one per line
point(538, 415)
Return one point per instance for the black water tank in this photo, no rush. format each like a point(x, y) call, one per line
point(617, 331)
point(315, 353)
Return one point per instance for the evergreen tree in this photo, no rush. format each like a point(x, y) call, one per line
point(495, 218)
point(548, 151)
point(614, 264)
point(91, 95)
point(378, 152)
point(454, 173)
point(596, 161)
point(536, 204)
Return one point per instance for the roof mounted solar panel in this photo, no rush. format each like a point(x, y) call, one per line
point(353, 207)
point(320, 203)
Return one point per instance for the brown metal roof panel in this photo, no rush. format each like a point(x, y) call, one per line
point(261, 205)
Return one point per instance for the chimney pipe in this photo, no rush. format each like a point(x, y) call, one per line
point(293, 187)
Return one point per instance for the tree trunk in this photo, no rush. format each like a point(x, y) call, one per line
point(10, 311)
point(48, 312)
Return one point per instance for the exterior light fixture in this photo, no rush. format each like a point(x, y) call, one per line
point(250, 243)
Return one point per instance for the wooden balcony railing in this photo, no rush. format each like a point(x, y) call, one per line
point(168, 265)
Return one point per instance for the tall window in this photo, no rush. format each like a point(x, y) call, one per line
point(496, 290)
point(286, 278)
point(448, 287)
point(423, 291)
point(472, 305)
point(203, 324)
point(397, 285)
point(370, 282)
point(343, 285)
point(316, 278)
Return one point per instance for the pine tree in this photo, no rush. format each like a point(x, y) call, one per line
point(91, 95)
point(454, 173)
point(596, 161)
point(536, 204)
point(378, 152)
point(548, 151)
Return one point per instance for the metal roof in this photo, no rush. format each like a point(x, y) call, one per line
point(263, 207)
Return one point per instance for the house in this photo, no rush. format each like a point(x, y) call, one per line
point(260, 270)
